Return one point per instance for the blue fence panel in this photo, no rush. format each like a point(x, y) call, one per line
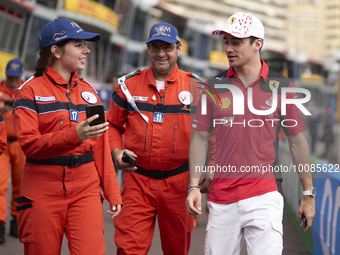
point(326, 224)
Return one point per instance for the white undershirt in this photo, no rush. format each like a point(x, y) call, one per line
point(160, 85)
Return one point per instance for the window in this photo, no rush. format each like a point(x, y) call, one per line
point(49, 3)
point(204, 47)
point(112, 60)
point(138, 27)
point(92, 64)
point(11, 28)
point(33, 48)
point(133, 59)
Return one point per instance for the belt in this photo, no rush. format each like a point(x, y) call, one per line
point(157, 174)
point(72, 161)
point(11, 140)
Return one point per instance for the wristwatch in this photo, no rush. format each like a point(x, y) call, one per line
point(311, 192)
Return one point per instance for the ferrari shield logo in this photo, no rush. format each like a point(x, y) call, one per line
point(274, 84)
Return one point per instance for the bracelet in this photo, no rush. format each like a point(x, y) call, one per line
point(193, 187)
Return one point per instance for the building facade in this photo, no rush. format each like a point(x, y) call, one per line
point(301, 35)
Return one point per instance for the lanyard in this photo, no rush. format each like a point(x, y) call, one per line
point(128, 95)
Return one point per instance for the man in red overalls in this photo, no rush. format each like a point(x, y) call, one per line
point(12, 159)
point(3, 135)
point(157, 132)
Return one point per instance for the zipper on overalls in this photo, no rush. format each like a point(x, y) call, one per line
point(61, 126)
point(163, 97)
point(146, 135)
point(173, 150)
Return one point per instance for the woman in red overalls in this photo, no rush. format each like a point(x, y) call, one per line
point(68, 161)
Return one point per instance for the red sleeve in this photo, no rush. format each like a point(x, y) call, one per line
point(3, 135)
point(33, 143)
point(202, 121)
point(117, 117)
point(103, 161)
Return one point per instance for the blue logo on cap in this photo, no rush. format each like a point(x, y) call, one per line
point(162, 29)
point(14, 68)
point(59, 30)
point(163, 32)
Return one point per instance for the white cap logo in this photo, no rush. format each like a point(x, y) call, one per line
point(242, 25)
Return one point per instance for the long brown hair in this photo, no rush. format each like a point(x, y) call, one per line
point(46, 58)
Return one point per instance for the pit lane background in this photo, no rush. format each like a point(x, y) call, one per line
point(325, 235)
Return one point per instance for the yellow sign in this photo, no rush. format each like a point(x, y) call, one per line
point(93, 9)
point(185, 47)
point(311, 78)
point(4, 58)
point(218, 56)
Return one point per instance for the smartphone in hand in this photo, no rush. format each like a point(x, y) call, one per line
point(9, 102)
point(127, 158)
point(304, 221)
point(93, 110)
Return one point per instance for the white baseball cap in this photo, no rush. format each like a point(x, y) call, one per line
point(242, 25)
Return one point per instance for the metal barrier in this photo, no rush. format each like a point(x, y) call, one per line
point(292, 191)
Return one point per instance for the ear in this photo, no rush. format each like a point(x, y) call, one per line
point(147, 48)
point(258, 44)
point(179, 51)
point(55, 51)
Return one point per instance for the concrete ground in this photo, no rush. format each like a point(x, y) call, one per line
point(292, 242)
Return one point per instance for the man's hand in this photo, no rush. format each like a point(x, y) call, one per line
point(194, 202)
point(307, 208)
point(205, 188)
point(114, 210)
point(5, 108)
point(117, 158)
point(298, 147)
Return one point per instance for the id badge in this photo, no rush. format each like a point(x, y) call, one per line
point(74, 116)
point(158, 117)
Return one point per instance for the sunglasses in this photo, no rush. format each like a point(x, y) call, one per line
point(166, 48)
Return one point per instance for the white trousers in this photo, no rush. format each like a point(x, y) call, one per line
point(257, 220)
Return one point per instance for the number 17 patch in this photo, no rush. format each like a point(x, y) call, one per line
point(74, 115)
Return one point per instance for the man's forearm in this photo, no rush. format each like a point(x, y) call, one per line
point(197, 156)
point(300, 154)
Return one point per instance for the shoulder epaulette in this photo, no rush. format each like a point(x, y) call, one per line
point(197, 77)
point(129, 75)
point(31, 78)
point(89, 84)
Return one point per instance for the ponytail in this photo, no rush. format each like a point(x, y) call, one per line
point(46, 58)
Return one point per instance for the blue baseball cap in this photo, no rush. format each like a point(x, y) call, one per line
point(163, 32)
point(14, 68)
point(59, 30)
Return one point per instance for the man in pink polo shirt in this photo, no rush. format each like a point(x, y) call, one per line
point(244, 200)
